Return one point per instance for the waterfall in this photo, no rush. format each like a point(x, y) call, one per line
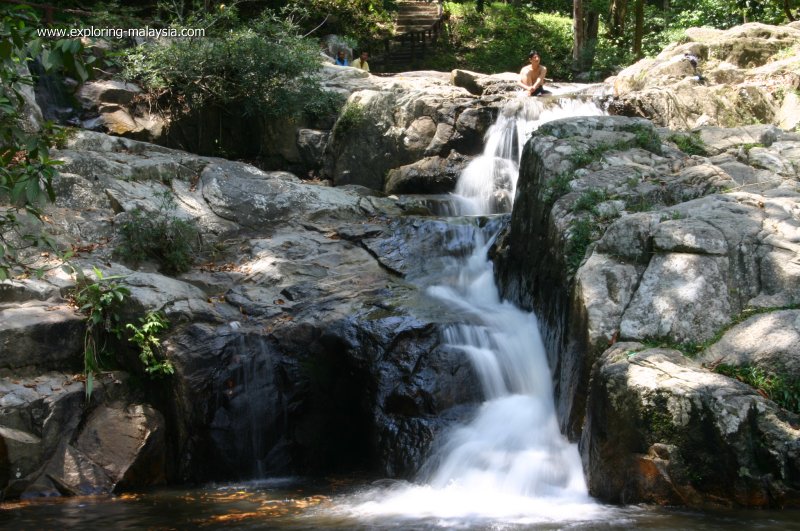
point(510, 463)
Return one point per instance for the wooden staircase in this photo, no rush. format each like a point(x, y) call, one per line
point(417, 27)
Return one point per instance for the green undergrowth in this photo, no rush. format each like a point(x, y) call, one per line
point(690, 143)
point(693, 349)
point(353, 115)
point(781, 389)
point(160, 236)
point(644, 138)
point(582, 233)
point(103, 300)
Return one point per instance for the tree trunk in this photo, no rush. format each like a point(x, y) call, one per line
point(479, 6)
point(638, 30)
point(579, 42)
point(592, 29)
point(788, 11)
point(619, 9)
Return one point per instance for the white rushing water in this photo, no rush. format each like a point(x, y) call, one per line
point(510, 464)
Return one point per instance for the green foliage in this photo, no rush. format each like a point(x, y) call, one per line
point(101, 301)
point(639, 203)
point(781, 389)
point(556, 187)
point(582, 233)
point(26, 169)
point(645, 138)
point(691, 143)
point(352, 116)
point(499, 39)
point(146, 338)
point(589, 200)
point(160, 236)
point(265, 69)
point(365, 21)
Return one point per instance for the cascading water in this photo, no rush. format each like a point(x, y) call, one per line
point(510, 463)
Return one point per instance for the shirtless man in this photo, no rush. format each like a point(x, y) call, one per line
point(532, 75)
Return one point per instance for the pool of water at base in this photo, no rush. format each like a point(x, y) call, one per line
point(295, 504)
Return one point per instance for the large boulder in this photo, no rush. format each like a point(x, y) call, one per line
point(609, 241)
point(743, 76)
point(661, 429)
point(39, 336)
point(431, 175)
point(303, 345)
point(414, 117)
point(337, 356)
point(55, 441)
point(768, 341)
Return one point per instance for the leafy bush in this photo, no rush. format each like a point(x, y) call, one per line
point(160, 236)
point(691, 143)
point(581, 234)
point(265, 69)
point(500, 39)
point(26, 170)
point(365, 21)
point(781, 389)
point(101, 300)
point(146, 338)
point(352, 116)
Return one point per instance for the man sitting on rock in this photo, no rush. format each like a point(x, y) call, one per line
point(532, 75)
point(361, 62)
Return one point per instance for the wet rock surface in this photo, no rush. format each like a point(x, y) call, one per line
point(667, 248)
point(304, 346)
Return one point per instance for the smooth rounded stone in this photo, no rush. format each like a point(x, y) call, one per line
point(12, 291)
point(630, 237)
point(388, 127)
point(106, 91)
point(128, 442)
point(604, 288)
point(467, 79)
point(770, 159)
point(769, 340)
point(255, 199)
point(689, 236)
point(431, 175)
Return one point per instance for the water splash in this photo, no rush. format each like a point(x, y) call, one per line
point(489, 183)
point(510, 463)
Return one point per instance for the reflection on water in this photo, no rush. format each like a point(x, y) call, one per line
point(296, 504)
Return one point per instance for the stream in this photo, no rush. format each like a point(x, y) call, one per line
point(508, 468)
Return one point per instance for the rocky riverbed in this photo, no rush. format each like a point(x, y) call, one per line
point(302, 339)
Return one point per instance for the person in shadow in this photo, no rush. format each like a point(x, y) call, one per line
point(341, 58)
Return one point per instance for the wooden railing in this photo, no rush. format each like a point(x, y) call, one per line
point(416, 42)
